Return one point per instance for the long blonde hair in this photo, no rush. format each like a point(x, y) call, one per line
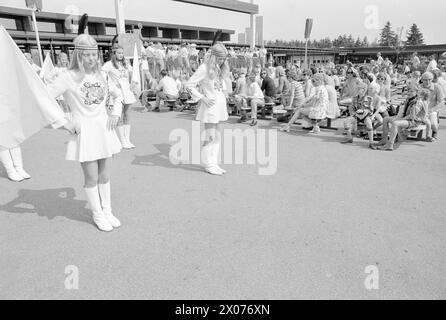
point(85, 40)
point(213, 69)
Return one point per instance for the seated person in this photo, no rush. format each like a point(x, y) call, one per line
point(315, 106)
point(361, 111)
point(351, 87)
point(435, 103)
point(297, 97)
point(255, 97)
point(268, 87)
point(413, 114)
point(384, 89)
point(167, 89)
point(241, 90)
point(333, 109)
point(283, 89)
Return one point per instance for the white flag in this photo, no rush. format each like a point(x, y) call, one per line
point(26, 106)
point(47, 68)
point(136, 75)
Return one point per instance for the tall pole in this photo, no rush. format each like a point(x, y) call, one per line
point(306, 54)
point(252, 29)
point(120, 21)
point(37, 36)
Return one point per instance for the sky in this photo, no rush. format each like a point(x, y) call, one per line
point(283, 19)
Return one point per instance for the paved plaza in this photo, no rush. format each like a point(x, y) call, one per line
point(308, 231)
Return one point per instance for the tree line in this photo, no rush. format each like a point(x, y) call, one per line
point(387, 38)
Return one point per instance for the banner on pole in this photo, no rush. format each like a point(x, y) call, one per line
point(35, 5)
point(308, 28)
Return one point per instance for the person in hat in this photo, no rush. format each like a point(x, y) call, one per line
point(212, 108)
point(86, 88)
point(120, 71)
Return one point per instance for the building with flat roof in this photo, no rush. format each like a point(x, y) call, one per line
point(57, 31)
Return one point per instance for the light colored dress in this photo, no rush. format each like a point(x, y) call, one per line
point(212, 89)
point(121, 76)
point(319, 103)
point(87, 99)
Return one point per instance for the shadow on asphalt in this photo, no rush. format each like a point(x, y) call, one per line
point(50, 203)
point(161, 159)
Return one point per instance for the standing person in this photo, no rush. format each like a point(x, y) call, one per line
point(85, 88)
point(415, 61)
point(379, 59)
point(61, 67)
point(263, 54)
point(212, 110)
point(119, 70)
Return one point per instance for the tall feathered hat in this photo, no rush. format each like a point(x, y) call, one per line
point(78, 43)
point(218, 49)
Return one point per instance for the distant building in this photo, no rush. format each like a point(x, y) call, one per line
point(259, 30)
point(241, 38)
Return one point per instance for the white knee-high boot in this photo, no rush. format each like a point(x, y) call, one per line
point(105, 194)
point(209, 160)
point(13, 175)
point(98, 215)
point(214, 155)
point(127, 130)
point(16, 155)
point(121, 136)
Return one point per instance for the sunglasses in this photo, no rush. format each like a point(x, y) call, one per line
point(349, 72)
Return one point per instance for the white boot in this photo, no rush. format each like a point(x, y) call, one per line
point(208, 161)
point(121, 136)
point(215, 150)
point(98, 215)
point(105, 194)
point(5, 158)
point(16, 155)
point(127, 136)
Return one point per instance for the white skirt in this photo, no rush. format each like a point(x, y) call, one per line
point(127, 94)
point(218, 112)
point(94, 142)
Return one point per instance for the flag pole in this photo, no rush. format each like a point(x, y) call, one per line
point(37, 34)
point(306, 53)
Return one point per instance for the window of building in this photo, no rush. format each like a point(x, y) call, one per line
point(8, 23)
point(110, 30)
point(46, 26)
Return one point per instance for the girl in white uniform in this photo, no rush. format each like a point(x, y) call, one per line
point(212, 110)
point(120, 71)
point(86, 88)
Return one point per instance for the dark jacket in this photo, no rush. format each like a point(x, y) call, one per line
point(268, 87)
